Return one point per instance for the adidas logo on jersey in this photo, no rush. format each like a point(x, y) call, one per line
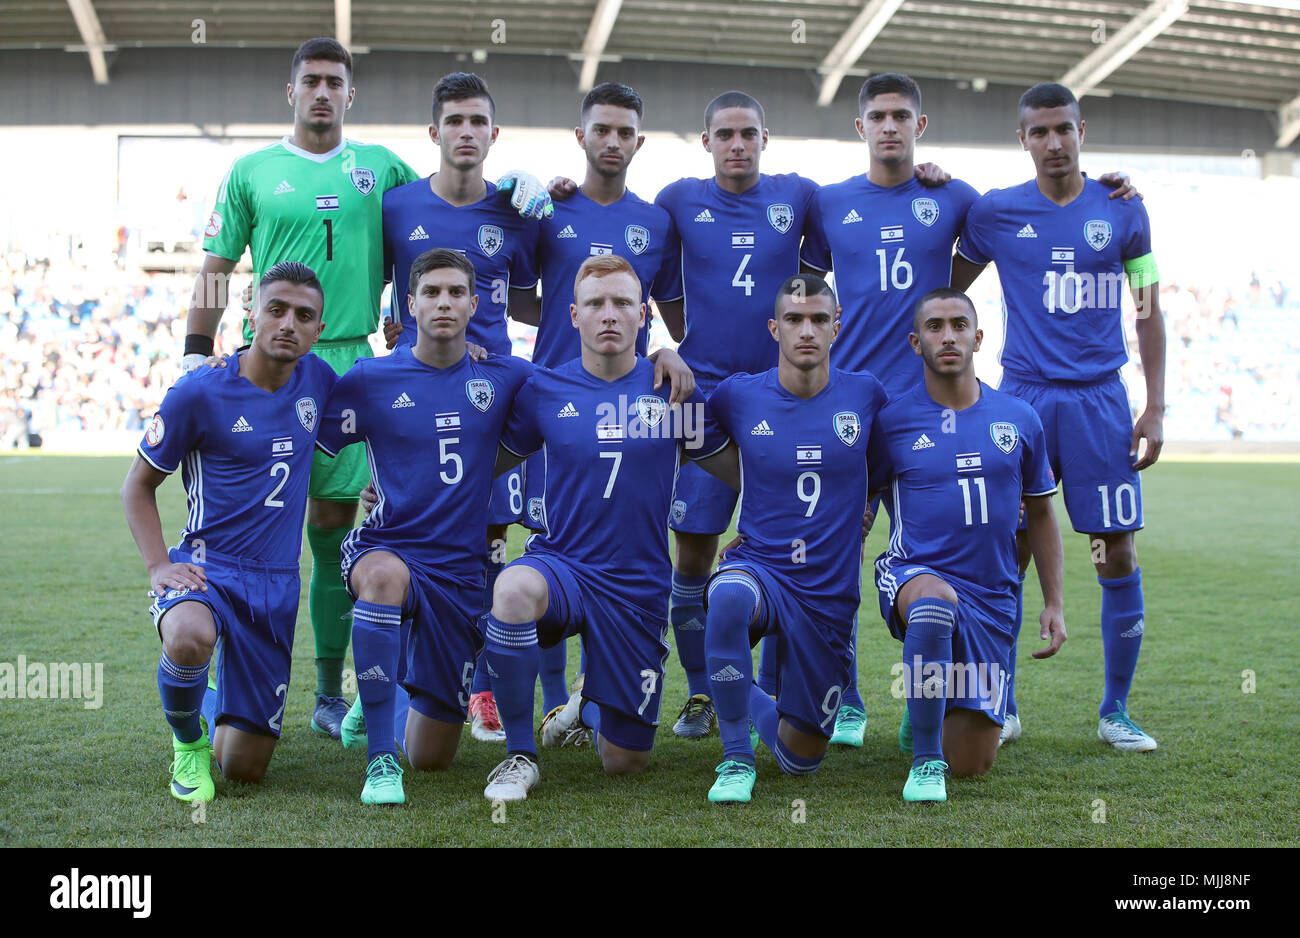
point(851, 217)
point(242, 426)
point(419, 234)
point(403, 400)
point(705, 215)
point(1027, 232)
point(373, 674)
point(728, 673)
point(568, 410)
point(283, 187)
point(922, 442)
point(1136, 631)
point(762, 430)
point(567, 232)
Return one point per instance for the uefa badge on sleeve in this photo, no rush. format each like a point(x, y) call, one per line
point(154, 430)
point(1005, 436)
point(481, 393)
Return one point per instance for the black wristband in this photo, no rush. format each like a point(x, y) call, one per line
point(196, 344)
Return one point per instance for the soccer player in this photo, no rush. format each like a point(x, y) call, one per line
point(244, 435)
point(315, 196)
point(1063, 249)
point(430, 418)
point(460, 209)
point(740, 232)
point(613, 446)
point(959, 458)
point(802, 429)
point(601, 217)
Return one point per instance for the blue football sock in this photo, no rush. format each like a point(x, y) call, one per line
point(209, 709)
point(1122, 621)
point(762, 710)
point(555, 689)
point(181, 688)
point(591, 717)
point(927, 653)
point(733, 604)
point(376, 641)
point(1015, 647)
point(851, 696)
point(401, 710)
point(687, 617)
point(481, 681)
point(791, 764)
point(512, 656)
point(495, 564)
point(767, 665)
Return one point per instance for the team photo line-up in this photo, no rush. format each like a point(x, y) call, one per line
point(808, 405)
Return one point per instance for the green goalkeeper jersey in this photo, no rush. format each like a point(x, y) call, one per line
point(322, 209)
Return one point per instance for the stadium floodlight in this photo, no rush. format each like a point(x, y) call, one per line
point(92, 35)
point(343, 22)
point(1097, 65)
point(875, 15)
point(1288, 122)
point(593, 47)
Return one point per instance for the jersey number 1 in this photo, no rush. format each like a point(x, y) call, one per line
point(329, 238)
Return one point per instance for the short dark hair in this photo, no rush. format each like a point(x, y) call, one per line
point(804, 285)
point(889, 83)
point(732, 99)
point(1047, 94)
point(460, 86)
point(943, 293)
point(292, 272)
point(439, 259)
point(611, 92)
point(325, 49)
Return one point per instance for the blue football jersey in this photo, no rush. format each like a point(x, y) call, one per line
point(632, 228)
point(1062, 273)
point(501, 246)
point(612, 450)
point(737, 250)
point(804, 466)
point(956, 480)
point(889, 247)
point(245, 456)
point(431, 437)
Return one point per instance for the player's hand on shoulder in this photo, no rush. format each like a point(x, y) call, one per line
point(177, 576)
point(1151, 426)
point(477, 353)
point(932, 175)
point(529, 198)
point(392, 332)
point(561, 187)
point(670, 367)
point(369, 499)
point(1123, 187)
point(1051, 623)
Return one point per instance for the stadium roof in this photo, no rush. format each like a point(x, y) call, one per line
point(1244, 54)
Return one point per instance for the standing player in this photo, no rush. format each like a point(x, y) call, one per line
point(460, 209)
point(316, 196)
point(601, 217)
point(959, 458)
point(740, 232)
point(802, 429)
point(1063, 250)
point(245, 435)
point(614, 447)
point(430, 418)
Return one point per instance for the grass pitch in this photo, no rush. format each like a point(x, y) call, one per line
point(1217, 685)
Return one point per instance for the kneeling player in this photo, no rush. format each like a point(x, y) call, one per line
point(614, 446)
point(959, 457)
point(802, 429)
point(430, 417)
point(245, 436)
